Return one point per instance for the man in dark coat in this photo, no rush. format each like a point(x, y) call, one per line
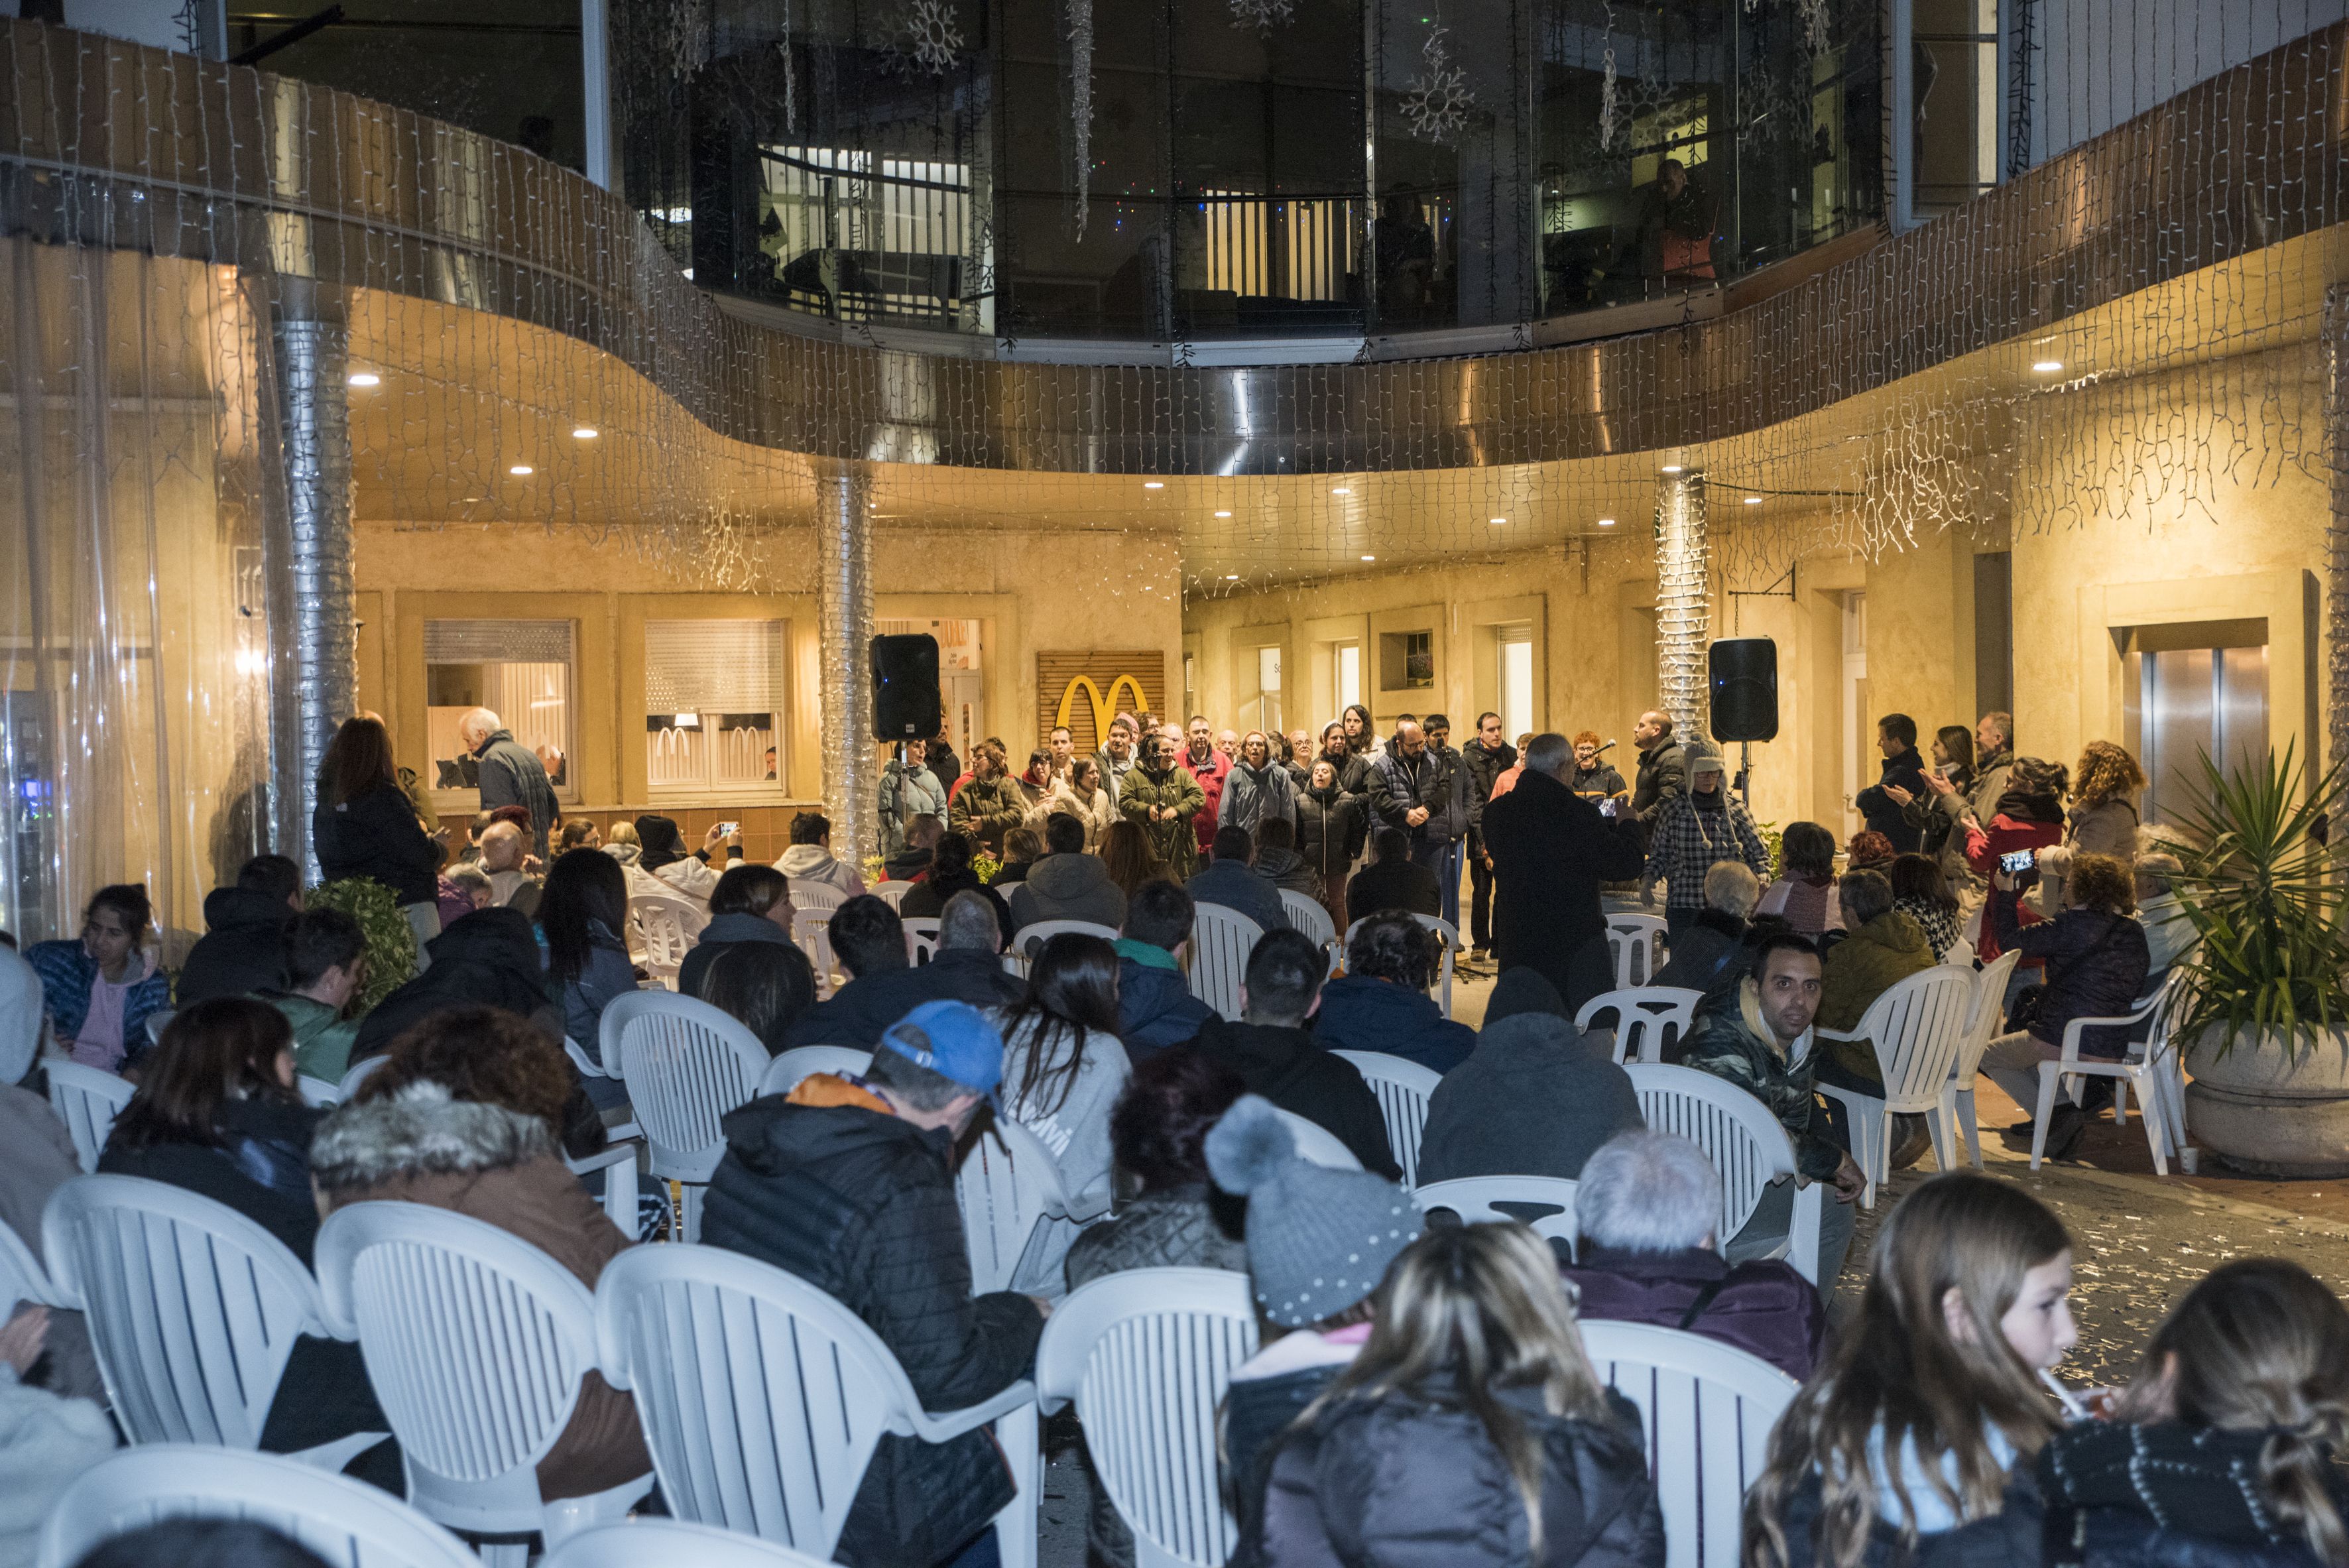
point(242, 949)
point(1381, 1004)
point(1551, 849)
point(849, 1185)
point(1662, 776)
point(512, 774)
point(968, 966)
point(1904, 768)
point(1532, 1099)
point(488, 959)
point(1391, 881)
point(1487, 757)
point(1156, 1007)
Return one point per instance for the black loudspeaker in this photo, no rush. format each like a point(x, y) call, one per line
point(1743, 675)
point(905, 687)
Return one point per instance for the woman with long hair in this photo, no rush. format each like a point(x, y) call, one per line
point(2223, 1446)
point(365, 825)
point(1804, 896)
point(1929, 1396)
point(766, 986)
point(2102, 819)
point(1921, 891)
point(1063, 1065)
point(1078, 793)
point(583, 912)
point(1470, 1429)
point(98, 989)
point(1259, 788)
point(1126, 853)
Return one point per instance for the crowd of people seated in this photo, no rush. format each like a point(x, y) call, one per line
point(1422, 1392)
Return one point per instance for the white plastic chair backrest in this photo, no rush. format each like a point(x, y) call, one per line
point(667, 925)
point(1745, 1143)
point(807, 894)
point(357, 1075)
point(2164, 1009)
point(1544, 1202)
point(812, 931)
point(1448, 936)
point(1917, 1025)
point(87, 1100)
point(785, 1071)
point(1403, 1087)
point(1221, 940)
point(1007, 1183)
point(347, 1523)
point(22, 1277)
point(760, 1397)
point(921, 939)
point(1989, 1014)
point(1147, 1355)
point(317, 1093)
point(193, 1308)
point(668, 1542)
point(1317, 1143)
point(1635, 943)
point(1309, 917)
point(1029, 939)
point(1706, 1409)
point(1646, 1018)
point(475, 1341)
point(685, 1065)
point(892, 893)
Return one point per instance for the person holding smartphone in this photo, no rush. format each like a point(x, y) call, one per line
point(2029, 818)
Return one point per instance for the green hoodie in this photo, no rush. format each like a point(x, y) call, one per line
point(322, 1036)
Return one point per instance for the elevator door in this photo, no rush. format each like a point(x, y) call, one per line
point(2188, 700)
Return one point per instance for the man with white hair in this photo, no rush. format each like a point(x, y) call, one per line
point(1648, 1208)
point(506, 861)
point(511, 773)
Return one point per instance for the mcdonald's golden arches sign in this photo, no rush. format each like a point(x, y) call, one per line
point(1085, 688)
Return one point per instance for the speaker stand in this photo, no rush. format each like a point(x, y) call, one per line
point(1744, 773)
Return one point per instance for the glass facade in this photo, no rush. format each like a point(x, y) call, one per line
point(1235, 169)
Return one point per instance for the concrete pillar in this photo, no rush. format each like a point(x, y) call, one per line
point(844, 628)
point(1683, 599)
point(2336, 535)
point(315, 434)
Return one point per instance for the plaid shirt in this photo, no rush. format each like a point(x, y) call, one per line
point(1687, 843)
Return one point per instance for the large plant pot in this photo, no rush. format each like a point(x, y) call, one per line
point(2269, 1112)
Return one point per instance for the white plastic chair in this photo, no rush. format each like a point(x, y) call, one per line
point(22, 1277)
point(476, 1342)
point(316, 1093)
point(1309, 917)
point(1635, 942)
point(357, 1075)
point(1221, 941)
point(1029, 939)
point(666, 925)
point(812, 931)
point(192, 1310)
point(892, 893)
point(347, 1523)
point(1316, 1144)
point(821, 897)
point(1549, 1200)
point(1917, 1025)
point(1403, 1087)
point(1448, 935)
point(921, 939)
point(2149, 1068)
point(685, 1065)
point(1745, 1144)
point(87, 1100)
point(1644, 1017)
point(761, 1397)
point(1706, 1409)
point(668, 1542)
point(1008, 1185)
point(785, 1071)
point(1982, 1028)
point(618, 1163)
point(1147, 1355)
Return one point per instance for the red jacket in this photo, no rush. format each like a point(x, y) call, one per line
point(2004, 912)
point(1211, 775)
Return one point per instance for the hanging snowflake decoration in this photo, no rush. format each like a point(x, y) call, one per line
point(1815, 24)
point(1439, 100)
point(1261, 15)
point(928, 37)
point(791, 87)
point(1080, 104)
point(688, 30)
point(1609, 120)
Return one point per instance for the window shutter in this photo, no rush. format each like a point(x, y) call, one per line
point(497, 642)
point(713, 666)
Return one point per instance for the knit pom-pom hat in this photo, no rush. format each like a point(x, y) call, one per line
point(1319, 1240)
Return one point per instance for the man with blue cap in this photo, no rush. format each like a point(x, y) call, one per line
point(848, 1183)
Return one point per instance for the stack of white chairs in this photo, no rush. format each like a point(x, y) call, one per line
point(476, 1344)
point(812, 932)
point(1221, 941)
point(87, 1100)
point(1648, 1018)
point(821, 897)
point(192, 1309)
point(664, 927)
point(1917, 1027)
point(1746, 1145)
point(1147, 1355)
point(1009, 1186)
point(1310, 916)
point(1404, 1089)
point(1635, 943)
point(685, 1065)
point(346, 1522)
point(1545, 1204)
point(2151, 1068)
point(1982, 1026)
point(763, 1398)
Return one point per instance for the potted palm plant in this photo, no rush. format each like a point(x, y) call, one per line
point(2264, 1017)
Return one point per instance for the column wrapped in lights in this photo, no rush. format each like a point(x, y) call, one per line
point(844, 629)
point(1683, 608)
point(313, 427)
point(2336, 533)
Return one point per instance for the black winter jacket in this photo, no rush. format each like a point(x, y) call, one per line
point(1297, 1073)
point(1330, 828)
point(1395, 1481)
point(488, 959)
point(511, 775)
point(242, 949)
point(2097, 968)
point(1887, 816)
point(259, 1166)
point(1436, 780)
point(862, 1206)
point(1531, 1100)
point(1550, 851)
point(1710, 951)
point(377, 835)
point(2008, 1539)
point(1662, 778)
point(2166, 1496)
point(857, 1013)
point(1485, 763)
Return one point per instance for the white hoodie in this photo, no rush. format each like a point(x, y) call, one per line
point(814, 863)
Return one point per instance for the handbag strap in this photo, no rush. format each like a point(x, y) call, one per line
point(1703, 1299)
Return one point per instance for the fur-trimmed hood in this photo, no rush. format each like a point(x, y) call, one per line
point(422, 1130)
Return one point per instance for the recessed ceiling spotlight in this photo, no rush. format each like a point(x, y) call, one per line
point(1153, 484)
point(1223, 514)
point(1370, 558)
point(1671, 468)
point(471, 499)
point(1231, 576)
point(1753, 500)
point(585, 433)
point(520, 471)
point(1498, 520)
point(365, 379)
point(2047, 367)
point(1606, 522)
point(1340, 489)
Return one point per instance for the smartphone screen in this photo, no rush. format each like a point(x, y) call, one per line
point(2018, 859)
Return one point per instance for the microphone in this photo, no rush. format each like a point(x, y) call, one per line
point(1602, 751)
